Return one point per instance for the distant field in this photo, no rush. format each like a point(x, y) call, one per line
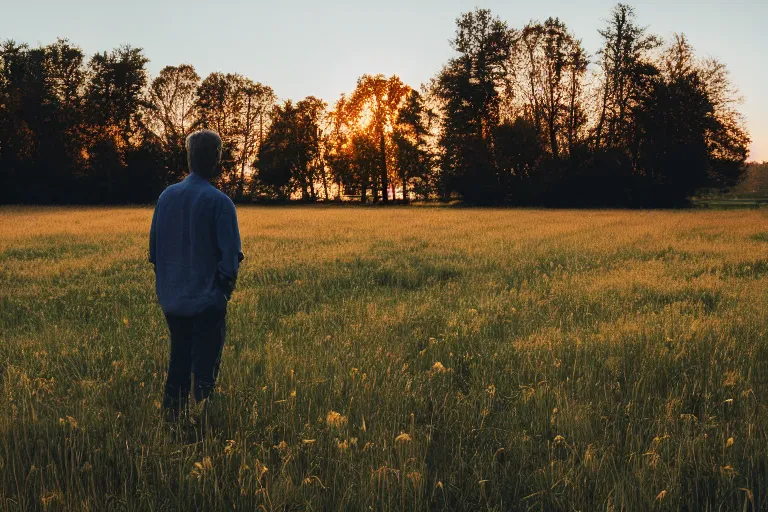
point(397, 359)
point(752, 192)
point(755, 183)
point(731, 203)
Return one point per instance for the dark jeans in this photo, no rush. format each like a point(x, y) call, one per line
point(196, 344)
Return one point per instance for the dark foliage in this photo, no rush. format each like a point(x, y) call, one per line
point(511, 119)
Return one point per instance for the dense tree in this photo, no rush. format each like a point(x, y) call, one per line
point(114, 98)
point(366, 164)
point(312, 113)
point(673, 122)
point(729, 142)
point(40, 110)
point(552, 67)
point(361, 140)
point(372, 109)
point(351, 155)
point(171, 113)
point(338, 153)
point(290, 158)
point(518, 153)
point(414, 160)
point(469, 89)
point(115, 91)
point(685, 143)
point(22, 100)
point(277, 157)
point(511, 119)
point(237, 108)
point(626, 67)
point(258, 100)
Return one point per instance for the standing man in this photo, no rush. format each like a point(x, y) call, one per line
point(194, 245)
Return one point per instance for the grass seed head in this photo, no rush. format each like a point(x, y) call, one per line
point(335, 419)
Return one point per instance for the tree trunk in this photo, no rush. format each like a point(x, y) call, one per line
point(244, 157)
point(384, 180)
point(553, 138)
point(261, 127)
point(601, 120)
point(572, 113)
point(325, 182)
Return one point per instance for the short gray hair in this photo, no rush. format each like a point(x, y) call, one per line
point(203, 152)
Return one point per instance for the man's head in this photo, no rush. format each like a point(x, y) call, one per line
point(203, 153)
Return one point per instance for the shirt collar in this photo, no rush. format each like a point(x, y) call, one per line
point(196, 177)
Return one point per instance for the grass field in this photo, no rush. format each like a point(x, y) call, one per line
point(397, 359)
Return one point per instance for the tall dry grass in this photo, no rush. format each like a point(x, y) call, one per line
point(397, 359)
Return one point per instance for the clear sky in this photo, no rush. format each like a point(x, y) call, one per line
point(311, 47)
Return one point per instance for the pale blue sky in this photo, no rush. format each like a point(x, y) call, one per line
point(303, 47)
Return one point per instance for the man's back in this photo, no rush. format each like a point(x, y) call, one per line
point(194, 244)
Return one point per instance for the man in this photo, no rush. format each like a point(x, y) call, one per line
point(194, 245)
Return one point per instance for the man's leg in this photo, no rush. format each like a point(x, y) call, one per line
point(177, 383)
point(209, 334)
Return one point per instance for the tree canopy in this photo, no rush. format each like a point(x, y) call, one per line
point(519, 116)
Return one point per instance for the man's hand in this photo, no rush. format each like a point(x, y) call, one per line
point(226, 284)
point(230, 249)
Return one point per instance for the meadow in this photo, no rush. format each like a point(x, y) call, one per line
point(417, 358)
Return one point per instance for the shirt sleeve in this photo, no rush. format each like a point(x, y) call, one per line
point(152, 239)
point(228, 239)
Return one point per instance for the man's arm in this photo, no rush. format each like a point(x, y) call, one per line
point(152, 240)
point(228, 239)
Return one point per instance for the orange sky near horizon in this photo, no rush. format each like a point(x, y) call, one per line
point(758, 151)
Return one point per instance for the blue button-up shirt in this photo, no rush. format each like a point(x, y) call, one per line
point(194, 243)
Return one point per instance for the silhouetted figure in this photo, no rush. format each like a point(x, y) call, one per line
point(194, 244)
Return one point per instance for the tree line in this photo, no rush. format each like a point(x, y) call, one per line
point(519, 116)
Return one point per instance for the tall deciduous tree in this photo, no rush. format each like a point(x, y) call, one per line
point(373, 108)
point(469, 88)
point(114, 97)
point(257, 101)
point(338, 153)
point(172, 97)
point(687, 137)
point(625, 69)
point(415, 161)
point(115, 91)
point(40, 118)
point(171, 113)
point(237, 108)
point(553, 65)
point(291, 157)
